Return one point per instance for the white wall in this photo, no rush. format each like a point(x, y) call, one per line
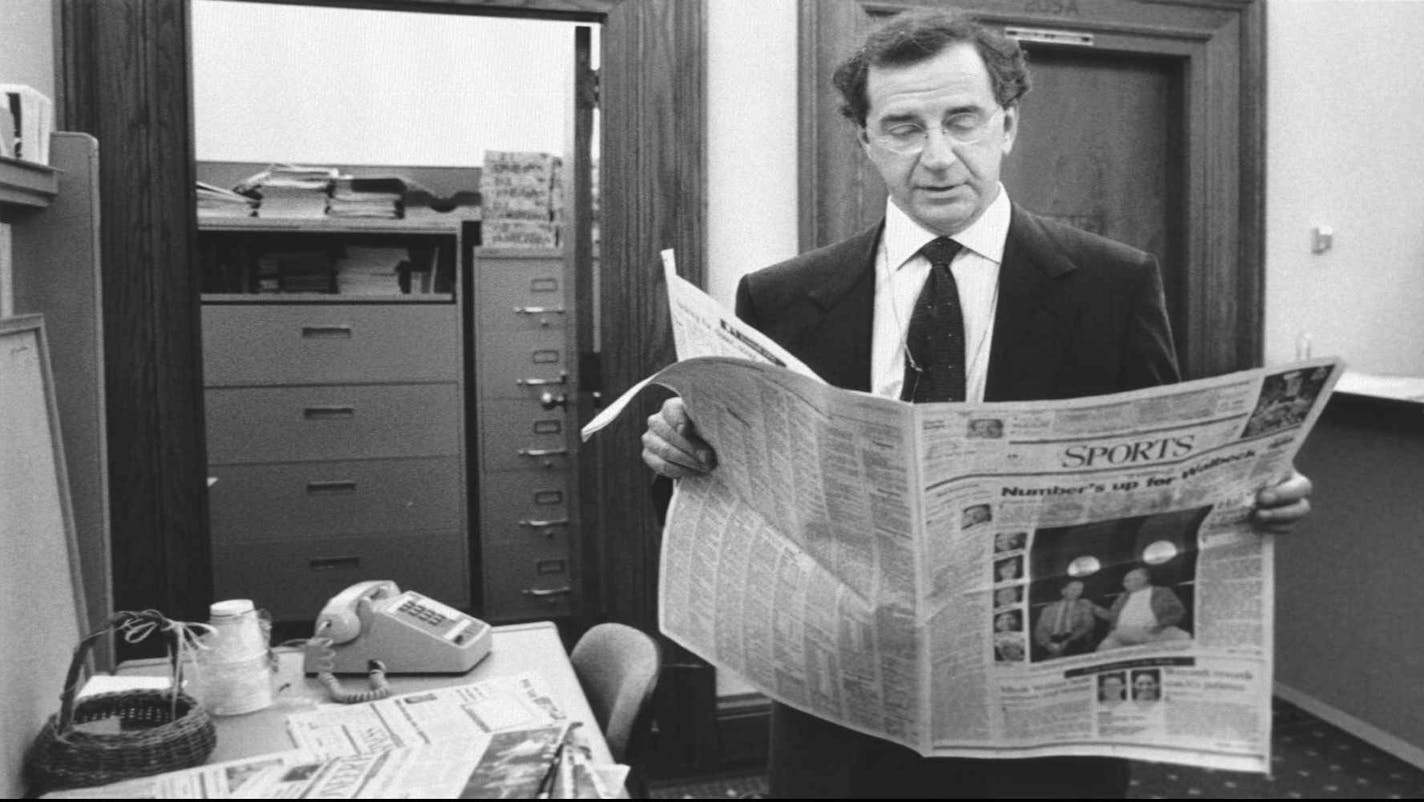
point(1345, 133)
point(344, 86)
point(27, 44)
point(751, 139)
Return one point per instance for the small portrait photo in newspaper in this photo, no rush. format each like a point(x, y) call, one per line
point(1009, 569)
point(1005, 542)
point(1112, 688)
point(1113, 584)
point(1008, 621)
point(1009, 648)
point(1146, 685)
point(1008, 596)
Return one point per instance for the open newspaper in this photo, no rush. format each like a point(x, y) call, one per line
point(1008, 580)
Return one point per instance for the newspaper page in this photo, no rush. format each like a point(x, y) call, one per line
point(991, 580)
point(497, 704)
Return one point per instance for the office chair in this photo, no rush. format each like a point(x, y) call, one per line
point(618, 667)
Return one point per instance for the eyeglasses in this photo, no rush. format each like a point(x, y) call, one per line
point(908, 138)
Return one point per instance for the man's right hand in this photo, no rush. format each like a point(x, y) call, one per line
point(671, 446)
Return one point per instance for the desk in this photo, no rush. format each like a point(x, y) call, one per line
point(516, 649)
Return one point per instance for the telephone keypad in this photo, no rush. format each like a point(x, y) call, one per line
point(420, 612)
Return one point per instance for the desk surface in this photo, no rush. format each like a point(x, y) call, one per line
point(516, 649)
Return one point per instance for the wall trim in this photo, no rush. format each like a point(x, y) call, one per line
point(1363, 730)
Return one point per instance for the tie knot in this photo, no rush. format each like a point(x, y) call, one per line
point(940, 251)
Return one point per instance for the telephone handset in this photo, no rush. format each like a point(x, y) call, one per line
point(408, 632)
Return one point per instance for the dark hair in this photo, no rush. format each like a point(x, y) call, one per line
point(919, 35)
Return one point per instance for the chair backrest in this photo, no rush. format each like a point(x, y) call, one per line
point(617, 666)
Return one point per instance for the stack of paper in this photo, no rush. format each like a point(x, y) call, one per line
point(218, 202)
point(366, 197)
point(289, 190)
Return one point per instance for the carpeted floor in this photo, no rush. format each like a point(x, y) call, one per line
point(1311, 760)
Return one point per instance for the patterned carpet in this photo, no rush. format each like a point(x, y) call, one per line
point(1312, 760)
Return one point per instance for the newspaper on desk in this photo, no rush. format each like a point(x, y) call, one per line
point(500, 738)
point(895, 568)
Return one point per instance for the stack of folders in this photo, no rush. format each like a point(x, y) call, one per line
point(378, 198)
point(218, 202)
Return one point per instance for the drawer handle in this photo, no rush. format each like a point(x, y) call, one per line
point(563, 379)
point(333, 563)
point(538, 310)
point(537, 524)
point(543, 452)
point(546, 592)
point(336, 486)
point(325, 412)
point(318, 332)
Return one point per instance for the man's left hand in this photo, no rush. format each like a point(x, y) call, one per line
point(1280, 506)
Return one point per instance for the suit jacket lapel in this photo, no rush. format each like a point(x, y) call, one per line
point(836, 340)
point(1030, 328)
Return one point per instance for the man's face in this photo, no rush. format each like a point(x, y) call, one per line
point(1009, 570)
point(1135, 580)
point(946, 186)
point(1112, 688)
point(1145, 686)
point(1072, 591)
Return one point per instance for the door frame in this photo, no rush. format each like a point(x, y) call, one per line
point(125, 76)
point(1220, 47)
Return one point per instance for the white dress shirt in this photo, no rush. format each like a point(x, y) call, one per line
point(900, 272)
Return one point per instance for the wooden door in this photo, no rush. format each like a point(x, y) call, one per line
point(1098, 149)
point(1145, 124)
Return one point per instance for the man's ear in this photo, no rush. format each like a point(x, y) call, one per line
point(1011, 127)
point(862, 137)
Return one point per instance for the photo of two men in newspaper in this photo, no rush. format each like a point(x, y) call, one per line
point(1074, 577)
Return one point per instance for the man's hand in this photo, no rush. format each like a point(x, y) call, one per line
point(1280, 507)
point(671, 446)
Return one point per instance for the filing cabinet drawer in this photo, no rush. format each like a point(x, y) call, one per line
point(311, 500)
point(294, 580)
point(526, 364)
point(322, 343)
point(519, 435)
point(285, 424)
point(521, 294)
point(519, 506)
point(529, 580)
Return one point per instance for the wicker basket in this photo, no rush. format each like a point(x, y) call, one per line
point(159, 730)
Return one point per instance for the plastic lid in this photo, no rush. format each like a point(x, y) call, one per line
point(231, 608)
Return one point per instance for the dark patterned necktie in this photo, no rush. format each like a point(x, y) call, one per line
point(934, 342)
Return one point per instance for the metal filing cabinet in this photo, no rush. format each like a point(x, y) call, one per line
point(526, 374)
point(335, 425)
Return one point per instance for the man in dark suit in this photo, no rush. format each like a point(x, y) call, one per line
point(1046, 312)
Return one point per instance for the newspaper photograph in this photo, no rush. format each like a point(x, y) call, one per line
point(1076, 577)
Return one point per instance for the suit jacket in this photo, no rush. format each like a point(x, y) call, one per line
point(1078, 314)
point(1166, 607)
point(1080, 620)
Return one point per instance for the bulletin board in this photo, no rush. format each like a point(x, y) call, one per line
point(41, 592)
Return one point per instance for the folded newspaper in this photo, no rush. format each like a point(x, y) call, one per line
point(1074, 577)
